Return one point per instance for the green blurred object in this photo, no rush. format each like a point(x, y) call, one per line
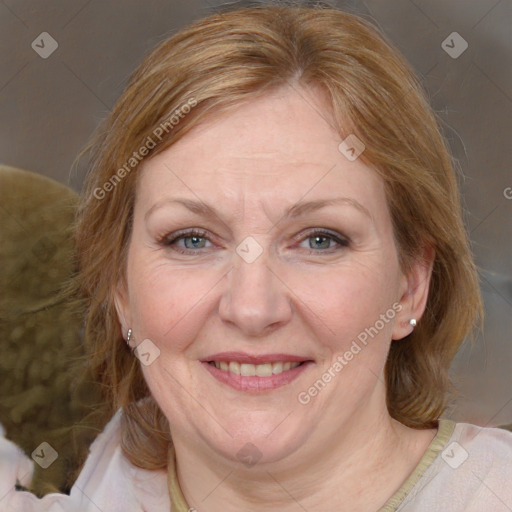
point(44, 395)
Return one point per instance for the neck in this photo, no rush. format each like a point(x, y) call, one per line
point(367, 461)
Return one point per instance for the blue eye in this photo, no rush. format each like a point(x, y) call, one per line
point(192, 240)
point(323, 241)
point(196, 242)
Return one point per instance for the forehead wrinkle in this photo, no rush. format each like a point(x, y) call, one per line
point(297, 210)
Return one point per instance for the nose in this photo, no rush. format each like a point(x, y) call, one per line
point(255, 301)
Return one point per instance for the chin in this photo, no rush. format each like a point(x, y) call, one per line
point(261, 439)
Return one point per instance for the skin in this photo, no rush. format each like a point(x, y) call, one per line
point(342, 450)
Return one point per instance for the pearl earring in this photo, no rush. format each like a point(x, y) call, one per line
point(128, 336)
point(413, 322)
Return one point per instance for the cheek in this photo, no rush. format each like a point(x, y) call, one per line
point(346, 301)
point(167, 303)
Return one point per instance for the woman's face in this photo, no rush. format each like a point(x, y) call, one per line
point(258, 245)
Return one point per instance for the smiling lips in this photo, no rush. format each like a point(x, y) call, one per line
point(255, 373)
point(250, 370)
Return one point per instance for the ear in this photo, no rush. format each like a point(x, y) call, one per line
point(414, 292)
point(122, 306)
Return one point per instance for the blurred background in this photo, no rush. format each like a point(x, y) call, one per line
point(64, 63)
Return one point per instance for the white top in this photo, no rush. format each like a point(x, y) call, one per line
point(108, 481)
point(465, 469)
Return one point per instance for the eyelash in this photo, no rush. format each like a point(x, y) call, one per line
point(170, 240)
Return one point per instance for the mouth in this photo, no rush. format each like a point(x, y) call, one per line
point(255, 373)
point(250, 370)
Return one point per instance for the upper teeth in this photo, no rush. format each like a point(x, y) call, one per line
point(250, 370)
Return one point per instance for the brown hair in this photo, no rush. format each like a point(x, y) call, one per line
point(235, 56)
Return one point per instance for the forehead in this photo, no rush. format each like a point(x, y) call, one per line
point(278, 148)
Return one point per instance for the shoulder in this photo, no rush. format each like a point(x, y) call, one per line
point(113, 483)
point(471, 472)
point(485, 446)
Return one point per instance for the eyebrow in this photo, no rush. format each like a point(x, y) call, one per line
point(297, 210)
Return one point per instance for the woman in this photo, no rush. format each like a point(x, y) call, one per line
point(278, 277)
